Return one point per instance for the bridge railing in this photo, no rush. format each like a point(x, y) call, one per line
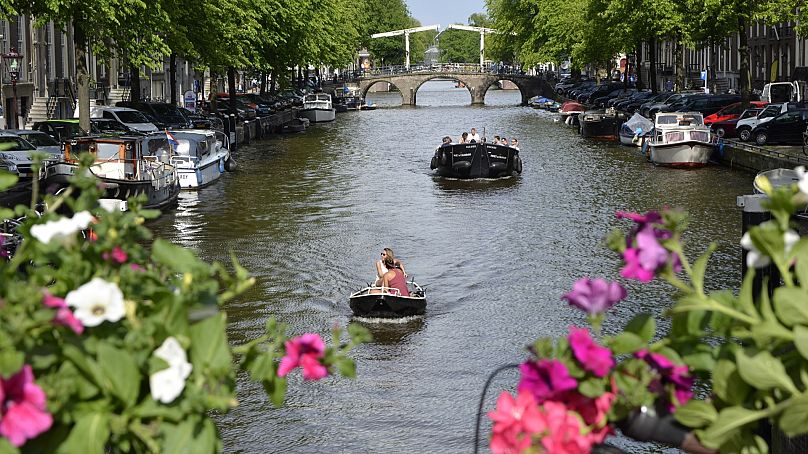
point(443, 68)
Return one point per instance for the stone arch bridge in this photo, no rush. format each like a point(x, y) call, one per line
point(477, 84)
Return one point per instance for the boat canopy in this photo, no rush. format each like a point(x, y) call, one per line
point(639, 125)
point(679, 119)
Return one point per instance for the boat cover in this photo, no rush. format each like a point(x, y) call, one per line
point(639, 124)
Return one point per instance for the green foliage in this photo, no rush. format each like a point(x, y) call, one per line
point(102, 384)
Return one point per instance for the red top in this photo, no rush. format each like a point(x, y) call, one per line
point(399, 282)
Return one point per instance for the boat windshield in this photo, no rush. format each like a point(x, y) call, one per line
point(680, 120)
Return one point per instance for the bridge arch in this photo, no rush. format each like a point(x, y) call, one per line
point(373, 82)
point(469, 87)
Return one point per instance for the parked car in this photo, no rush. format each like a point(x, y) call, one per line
point(262, 107)
point(108, 126)
point(731, 111)
point(786, 128)
point(39, 139)
point(162, 114)
point(708, 105)
point(132, 118)
point(744, 127)
point(727, 128)
point(243, 111)
point(60, 129)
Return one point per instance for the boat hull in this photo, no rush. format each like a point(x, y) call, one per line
point(387, 305)
point(480, 160)
point(195, 178)
point(683, 154)
point(318, 115)
point(602, 128)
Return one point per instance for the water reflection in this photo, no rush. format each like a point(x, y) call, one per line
point(391, 331)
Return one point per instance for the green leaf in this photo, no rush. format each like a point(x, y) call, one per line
point(11, 361)
point(745, 443)
point(7, 448)
point(764, 371)
point(728, 384)
point(696, 413)
point(769, 332)
point(643, 325)
point(700, 267)
point(5, 213)
point(276, 390)
point(209, 349)
point(625, 343)
point(7, 180)
point(794, 418)
point(191, 436)
point(177, 258)
point(801, 340)
point(150, 408)
point(120, 370)
point(347, 368)
point(729, 422)
point(89, 435)
point(790, 305)
point(592, 388)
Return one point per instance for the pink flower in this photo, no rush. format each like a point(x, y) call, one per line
point(594, 358)
point(304, 351)
point(594, 412)
point(545, 379)
point(22, 408)
point(594, 296)
point(564, 431)
point(641, 219)
point(117, 255)
point(645, 255)
point(515, 421)
point(633, 269)
point(64, 316)
point(677, 375)
point(135, 267)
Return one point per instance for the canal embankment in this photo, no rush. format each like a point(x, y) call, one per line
point(744, 156)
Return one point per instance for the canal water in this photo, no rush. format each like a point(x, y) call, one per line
point(309, 213)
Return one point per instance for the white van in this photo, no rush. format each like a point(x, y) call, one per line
point(784, 91)
point(132, 118)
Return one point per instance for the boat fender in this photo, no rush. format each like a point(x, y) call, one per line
point(444, 157)
point(221, 165)
point(518, 165)
point(198, 176)
point(434, 164)
point(230, 164)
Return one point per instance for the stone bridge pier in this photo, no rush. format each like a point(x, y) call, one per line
point(476, 83)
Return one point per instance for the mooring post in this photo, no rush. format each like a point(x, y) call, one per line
point(755, 214)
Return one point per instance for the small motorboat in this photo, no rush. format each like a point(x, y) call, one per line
point(476, 160)
point(777, 178)
point(601, 124)
point(634, 131)
point(680, 139)
point(383, 302)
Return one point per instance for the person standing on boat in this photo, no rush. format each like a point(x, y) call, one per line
point(474, 137)
point(515, 143)
point(394, 278)
point(464, 138)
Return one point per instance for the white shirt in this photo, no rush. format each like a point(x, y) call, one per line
point(475, 137)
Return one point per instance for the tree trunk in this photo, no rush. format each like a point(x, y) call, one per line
point(211, 92)
point(82, 78)
point(134, 83)
point(681, 77)
point(273, 76)
point(743, 51)
point(652, 76)
point(172, 71)
point(299, 77)
point(638, 66)
point(231, 86)
point(263, 76)
point(713, 66)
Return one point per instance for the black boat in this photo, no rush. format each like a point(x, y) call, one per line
point(476, 160)
point(601, 124)
point(378, 302)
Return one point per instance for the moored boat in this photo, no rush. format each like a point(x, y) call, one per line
point(126, 166)
point(476, 160)
point(634, 131)
point(776, 178)
point(381, 302)
point(569, 111)
point(317, 108)
point(680, 139)
point(200, 156)
point(601, 124)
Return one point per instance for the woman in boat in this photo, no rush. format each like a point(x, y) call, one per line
point(394, 278)
point(382, 268)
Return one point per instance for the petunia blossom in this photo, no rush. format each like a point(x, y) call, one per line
point(754, 257)
point(97, 301)
point(117, 255)
point(670, 373)
point(641, 219)
point(564, 434)
point(546, 379)
point(514, 423)
point(167, 384)
point(802, 184)
point(64, 316)
point(304, 351)
point(22, 408)
point(593, 357)
point(62, 230)
point(594, 296)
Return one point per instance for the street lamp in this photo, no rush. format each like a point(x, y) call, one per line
point(13, 62)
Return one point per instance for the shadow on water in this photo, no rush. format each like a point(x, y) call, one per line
point(387, 331)
point(476, 185)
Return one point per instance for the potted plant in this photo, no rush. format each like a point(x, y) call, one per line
point(107, 345)
point(750, 351)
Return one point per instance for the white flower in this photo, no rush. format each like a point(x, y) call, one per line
point(168, 383)
point(754, 258)
point(803, 183)
point(63, 229)
point(97, 301)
